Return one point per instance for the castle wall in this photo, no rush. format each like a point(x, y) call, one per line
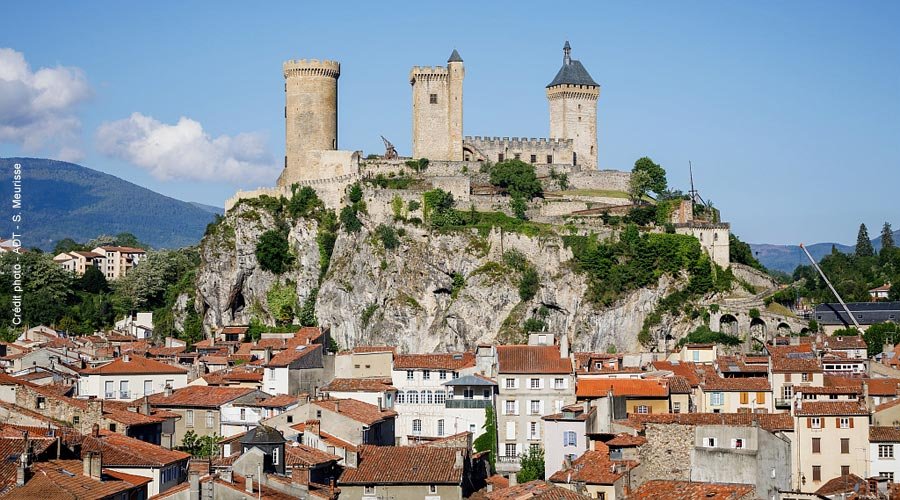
point(458, 186)
point(535, 151)
point(330, 191)
point(573, 115)
point(607, 180)
point(310, 114)
point(437, 111)
point(713, 239)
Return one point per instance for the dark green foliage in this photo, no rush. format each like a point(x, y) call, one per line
point(92, 281)
point(642, 215)
point(703, 335)
point(257, 328)
point(887, 237)
point(518, 178)
point(387, 236)
point(518, 206)
point(307, 313)
point(398, 182)
point(753, 313)
point(200, 446)
point(459, 281)
point(879, 334)
point(531, 466)
point(68, 245)
point(273, 251)
point(852, 276)
point(325, 240)
point(355, 193)
point(413, 205)
point(529, 284)
point(487, 442)
point(66, 200)
point(646, 176)
point(418, 165)
point(304, 202)
point(438, 208)
point(740, 252)
point(534, 325)
point(863, 244)
point(367, 314)
point(349, 220)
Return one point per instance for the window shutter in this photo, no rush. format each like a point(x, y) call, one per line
point(787, 377)
point(541, 383)
point(744, 398)
point(510, 430)
point(518, 449)
point(837, 423)
point(760, 398)
point(635, 409)
point(649, 409)
point(517, 407)
point(851, 422)
point(516, 382)
point(809, 423)
point(541, 407)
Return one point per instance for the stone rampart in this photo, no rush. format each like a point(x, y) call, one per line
point(608, 180)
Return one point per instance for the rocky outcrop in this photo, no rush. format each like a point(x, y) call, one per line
point(436, 291)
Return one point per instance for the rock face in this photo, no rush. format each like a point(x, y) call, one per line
point(436, 291)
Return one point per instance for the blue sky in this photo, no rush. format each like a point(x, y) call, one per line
point(789, 111)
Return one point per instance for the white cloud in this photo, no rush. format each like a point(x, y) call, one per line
point(37, 109)
point(185, 151)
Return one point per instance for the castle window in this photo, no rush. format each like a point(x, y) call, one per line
point(500, 157)
point(533, 158)
point(549, 158)
point(574, 158)
point(518, 156)
point(432, 98)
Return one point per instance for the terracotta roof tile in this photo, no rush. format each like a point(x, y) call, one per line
point(296, 454)
point(629, 387)
point(739, 384)
point(66, 479)
point(679, 385)
point(626, 440)
point(848, 342)
point(134, 366)
point(814, 408)
point(593, 467)
point(769, 421)
point(442, 361)
point(532, 359)
point(684, 490)
point(120, 450)
point(534, 490)
point(883, 434)
point(883, 386)
point(843, 484)
point(359, 385)
point(357, 410)
point(794, 359)
point(291, 354)
point(404, 465)
point(199, 396)
point(685, 369)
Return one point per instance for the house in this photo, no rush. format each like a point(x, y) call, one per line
point(665, 490)
point(165, 468)
point(365, 362)
point(832, 439)
point(295, 370)
point(466, 405)
point(375, 391)
point(640, 395)
point(408, 472)
point(85, 479)
point(566, 435)
point(735, 395)
point(117, 260)
point(792, 366)
point(832, 316)
point(846, 346)
point(697, 353)
point(138, 325)
point(130, 377)
point(77, 262)
point(421, 395)
point(884, 452)
point(245, 412)
point(880, 292)
point(199, 408)
point(594, 475)
point(534, 380)
point(537, 489)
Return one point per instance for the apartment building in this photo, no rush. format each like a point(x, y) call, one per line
point(130, 377)
point(832, 439)
point(117, 261)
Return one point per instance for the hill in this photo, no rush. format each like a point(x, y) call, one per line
point(63, 200)
point(786, 258)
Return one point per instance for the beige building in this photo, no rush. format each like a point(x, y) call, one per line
point(713, 239)
point(437, 94)
point(365, 362)
point(117, 261)
point(77, 262)
point(736, 395)
point(831, 439)
point(792, 368)
point(199, 408)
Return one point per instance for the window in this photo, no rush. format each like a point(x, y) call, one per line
point(77, 419)
point(439, 397)
point(170, 383)
point(817, 445)
point(412, 397)
point(817, 472)
point(518, 156)
point(534, 408)
point(815, 423)
point(510, 383)
point(41, 402)
point(549, 158)
point(274, 456)
point(468, 393)
point(716, 398)
point(410, 374)
point(787, 391)
point(109, 389)
point(318, 414)
point(356, 366)
point(643, 409)
point(760, 398)
point(533, 430)
point(472, 428)
point(845, 470)
point(417, 427)
point(737, 443)
point(510, 408)
point(368, 490)
point(189, 418)
point(442, 374)
point(845, 445)
point(426, 374)
point(570, 438)
point(432, 489)
point(486, 394)
point(243, 414)
point(885, 451)
point(432, 98)
point(271, 373)
point(500, 157)
point(209, 419)
point(696, 355)
point(123, 389)
point(844, 423)
point(533, 159)
point(148, 387)
point(542, 340)
point(112, 427)
point(710, 442)
point(888, 475)
point(290, 419)
point(401, 397)
point(559, 383)
point(455, 375)
point(510, 449)
point(429, 395)
point(440, 427)
point(804, 377)
point(745, 398)
point(676, 407)
point(535, 383)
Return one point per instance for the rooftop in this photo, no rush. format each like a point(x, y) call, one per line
point(199, 396)
point(884, 434)
point(357, 410)
point(572, 72)
point(405, 465)
point(359, 385)
point(532, 359)
point(826, 408)
point(133, 365)
point(444, 361)
point(534, 490)
point(629, 387)
point(769, 421)
point(684, 490)
point(593, 467)
point(120, 450)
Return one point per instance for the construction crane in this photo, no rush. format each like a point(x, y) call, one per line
point(827, 282)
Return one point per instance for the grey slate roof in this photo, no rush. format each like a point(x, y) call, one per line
point(470, 380)
point(573, 73)
point(867, 313)
point(263, 434)
point(455, 57)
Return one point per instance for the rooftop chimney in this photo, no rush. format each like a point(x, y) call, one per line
point(126, 358)
point(95, 430)
point(380, 405)
point(458, 462)
point(194, 480)
point(513, 480)
point(145, 405)
point(248, 486)
point(93, 464)
point(22, 468)
point(167, 391)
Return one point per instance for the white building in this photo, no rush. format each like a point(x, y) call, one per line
point(295, 370)
point(130, 377)
point(140, 325)
point(884, 452)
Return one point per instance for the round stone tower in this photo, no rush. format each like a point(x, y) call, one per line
point(310, 115)
point(573, 98)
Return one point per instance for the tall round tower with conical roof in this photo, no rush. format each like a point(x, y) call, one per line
point(573, 98)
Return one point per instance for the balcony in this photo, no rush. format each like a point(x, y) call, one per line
point(508, 460)
point(467, 403)
point(124, 394)
point(110, 395)
point(782, 403)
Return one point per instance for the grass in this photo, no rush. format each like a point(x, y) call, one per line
point(777, 308)
point(600, 193)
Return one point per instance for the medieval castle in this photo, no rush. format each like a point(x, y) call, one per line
point(312, 157)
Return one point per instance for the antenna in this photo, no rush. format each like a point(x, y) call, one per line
point(693, 193)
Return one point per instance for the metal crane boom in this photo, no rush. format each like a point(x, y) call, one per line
point(827, 282)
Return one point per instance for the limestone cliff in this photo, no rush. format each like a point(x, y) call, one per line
point(435, 291)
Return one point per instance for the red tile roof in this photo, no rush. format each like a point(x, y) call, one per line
point(769, 421)
point(679, 385)
point(794, 359)
point(405, 465)
point(359, 385)
point(531, 359)
point(843, 484)
point(883, 386)
point(357, 410)
point(534, 490)
point(849, 342)
point(291, 354)
point(593, 467)
point(279, 401)
point(299, 455)
point(628, 387)
point(626, 441)
point(442, 361)
point(815, 408)
point(740, 384)
point(135, 365)
point(66, 479)
point(120, 450)
point(684, 490)
point(685, 369)
point(199, 396)
point(882, 434)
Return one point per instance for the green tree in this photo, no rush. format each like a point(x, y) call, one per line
point(879, 334)
point(529, 284)
point(282, 300)
point(93, 281)
point(355, 194)
point(304, 202)
point(273, 251)
point(887, 237)
point(349, 220)
point(190, 443)
point(518, 178)
point(863, 244)
point(647, 176)
point(487, 441)
point(518, 206)
point(740, 252)
point(387, 236)
point(531, 466)
point(67, 245)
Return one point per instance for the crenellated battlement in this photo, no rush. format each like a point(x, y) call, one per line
point(573, 92)
point(428, 73)
point(517, 141)
point(311, 67)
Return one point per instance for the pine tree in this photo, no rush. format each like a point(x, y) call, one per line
point(887, 236)
point(863, 244)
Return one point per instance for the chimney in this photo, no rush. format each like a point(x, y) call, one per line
point(145, 405)
point(194, 480)
point(587, 407)
point(248, 486)
point(93, 464)
point(458, 462)
point(380, 405)
point(513, 480)
point(95, 430)
point(865, 391)
point(22, 469)
point(337, 405)
point(126, 358)
point(227, 476)
point(167, 391)
point(564, 345)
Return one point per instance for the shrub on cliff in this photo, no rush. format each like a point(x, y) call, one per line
point(273, 251)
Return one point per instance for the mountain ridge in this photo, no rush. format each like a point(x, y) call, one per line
point(786, 258)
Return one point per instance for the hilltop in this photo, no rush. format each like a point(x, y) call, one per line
point(65, 200)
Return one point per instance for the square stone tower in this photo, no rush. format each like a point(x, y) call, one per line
point(573, 98)
point(437, 94)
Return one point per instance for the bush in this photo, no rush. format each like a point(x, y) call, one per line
point(518, 207)
point(529, 284)
point(518, 178)
point(273, 252)
point(387, 236)
point(304, 202)
point(349, 220)
point(418, 165)
point(355, 194)
point(534, 325)
point(703, 335)
point(413, 205)
point(459, 281)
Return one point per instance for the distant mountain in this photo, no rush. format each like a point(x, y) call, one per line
point(65, 200)
point(209, 208)
point(787, 257)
